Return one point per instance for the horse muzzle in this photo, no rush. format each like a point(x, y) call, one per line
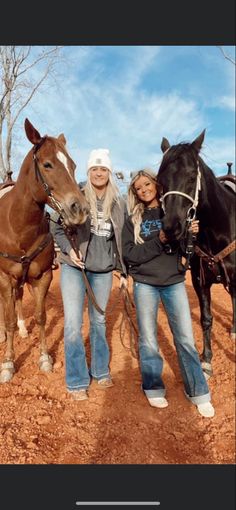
point(74, 211)
point(173, 230)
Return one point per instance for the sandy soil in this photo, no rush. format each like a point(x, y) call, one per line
point(41, 424)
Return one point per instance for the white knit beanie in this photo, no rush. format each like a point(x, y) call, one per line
point(99, 157)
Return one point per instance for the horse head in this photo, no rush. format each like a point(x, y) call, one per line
point(179, 182)
point(52, 179)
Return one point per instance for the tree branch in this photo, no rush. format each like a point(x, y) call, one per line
point(226, 56)
point(18, 85)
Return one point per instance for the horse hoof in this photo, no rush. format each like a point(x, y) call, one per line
point(7, 371)
point(5, 376)
point(45, 363)
point(207, 369)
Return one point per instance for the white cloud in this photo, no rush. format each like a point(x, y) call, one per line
point(227, 102)
point(101, 104)
point(217, 152)
point(140, 61)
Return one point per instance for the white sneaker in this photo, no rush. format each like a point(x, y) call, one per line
point(157, 401)
point(79, 394)
point(105, 383)
point(207, 410)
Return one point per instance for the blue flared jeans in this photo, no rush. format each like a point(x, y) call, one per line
point(73, 290)
point(175, 301)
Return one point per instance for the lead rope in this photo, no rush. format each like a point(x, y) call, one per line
point(89, 289)
point(133, 331)
point(126, 317)
point(190, 240)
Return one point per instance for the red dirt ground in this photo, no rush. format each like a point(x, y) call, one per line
point(41, 424)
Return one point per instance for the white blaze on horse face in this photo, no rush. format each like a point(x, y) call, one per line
point(63, 159)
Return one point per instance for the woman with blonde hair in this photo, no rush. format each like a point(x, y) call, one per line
point(158, 275)
point(99, 244)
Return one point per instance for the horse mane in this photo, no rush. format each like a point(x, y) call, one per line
point(175, 151)
point(210, 177)
point(206, 168)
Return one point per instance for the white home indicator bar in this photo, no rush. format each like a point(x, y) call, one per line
point(118, 503)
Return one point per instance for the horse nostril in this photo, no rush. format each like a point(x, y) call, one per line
point(178, 227)
point(75, 207)
point(86, 209)
point(173, 230)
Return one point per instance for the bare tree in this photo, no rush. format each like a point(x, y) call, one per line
point(226, 55)
point(22, 72)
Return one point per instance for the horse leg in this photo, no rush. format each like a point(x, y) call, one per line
point(2, 323)
point(7, 366)
point(232, 291)
point(204, 297)
point(20, 319)
point(40, 288)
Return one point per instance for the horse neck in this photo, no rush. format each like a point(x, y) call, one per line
point(215, 209)
point(25, 210)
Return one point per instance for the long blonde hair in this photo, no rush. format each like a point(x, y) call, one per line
point(111, 195)
point(135, 206)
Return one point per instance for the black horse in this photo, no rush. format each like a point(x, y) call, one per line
point(189, 188)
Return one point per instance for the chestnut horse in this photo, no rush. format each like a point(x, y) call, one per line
point(26, 245)
point(189, 188)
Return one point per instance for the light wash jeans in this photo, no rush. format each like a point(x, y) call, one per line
point(73, 295)
point(175, 301)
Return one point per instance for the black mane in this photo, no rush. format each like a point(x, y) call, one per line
point(174, 152)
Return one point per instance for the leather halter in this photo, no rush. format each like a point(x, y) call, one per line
point(53, 202)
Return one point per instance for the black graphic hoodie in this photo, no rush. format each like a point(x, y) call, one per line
point(152, 262)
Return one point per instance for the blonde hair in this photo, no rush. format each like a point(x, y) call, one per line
point(111, 196)
point(135, 206)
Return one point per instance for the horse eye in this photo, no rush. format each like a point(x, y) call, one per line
point(47, 165)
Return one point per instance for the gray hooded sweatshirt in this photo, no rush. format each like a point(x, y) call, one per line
point(100, 246)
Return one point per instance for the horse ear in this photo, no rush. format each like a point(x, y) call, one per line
point(197, 144)
point(32, 134)
point(164, 144)
point(62, 139)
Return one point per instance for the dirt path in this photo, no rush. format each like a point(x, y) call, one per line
point(40, 424)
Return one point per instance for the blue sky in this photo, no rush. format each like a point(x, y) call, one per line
point(126, 98)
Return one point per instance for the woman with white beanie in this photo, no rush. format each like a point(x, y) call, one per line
point(99, 244)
